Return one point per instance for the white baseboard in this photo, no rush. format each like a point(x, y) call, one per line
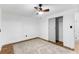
point(21, 40)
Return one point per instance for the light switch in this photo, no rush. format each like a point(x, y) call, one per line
point(70, 26)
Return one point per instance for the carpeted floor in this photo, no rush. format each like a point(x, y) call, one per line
point(38, 46)
point(77, 46)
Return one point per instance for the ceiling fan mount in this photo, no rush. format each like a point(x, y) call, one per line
point(40, 5)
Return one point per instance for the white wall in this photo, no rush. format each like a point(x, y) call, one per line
point(68, 20)
point(68, 33)
point(15, 28)
point(0, 28)
point(44, 28)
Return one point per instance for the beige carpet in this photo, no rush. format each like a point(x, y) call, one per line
point(77, 46)
point(38, 46)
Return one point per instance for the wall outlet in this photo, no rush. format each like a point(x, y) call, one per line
point(26, 35)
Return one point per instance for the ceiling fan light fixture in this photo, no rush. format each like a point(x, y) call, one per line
point(40, 12)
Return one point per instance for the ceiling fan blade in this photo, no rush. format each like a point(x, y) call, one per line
point(46, 10)
point(39, 8)
point(36, 7)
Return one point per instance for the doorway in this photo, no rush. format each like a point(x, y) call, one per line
point(59, 30)
point(55, 30)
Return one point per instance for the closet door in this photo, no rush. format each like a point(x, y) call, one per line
point(52, 29)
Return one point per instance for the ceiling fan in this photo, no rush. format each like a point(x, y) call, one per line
point(40, 8)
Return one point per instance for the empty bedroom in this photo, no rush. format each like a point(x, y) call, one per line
point(39, 28)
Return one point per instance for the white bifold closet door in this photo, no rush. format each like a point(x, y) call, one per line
point(52, 29)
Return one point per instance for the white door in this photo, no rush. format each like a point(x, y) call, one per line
point(52, 29)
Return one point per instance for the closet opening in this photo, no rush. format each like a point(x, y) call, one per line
point(59, 30)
